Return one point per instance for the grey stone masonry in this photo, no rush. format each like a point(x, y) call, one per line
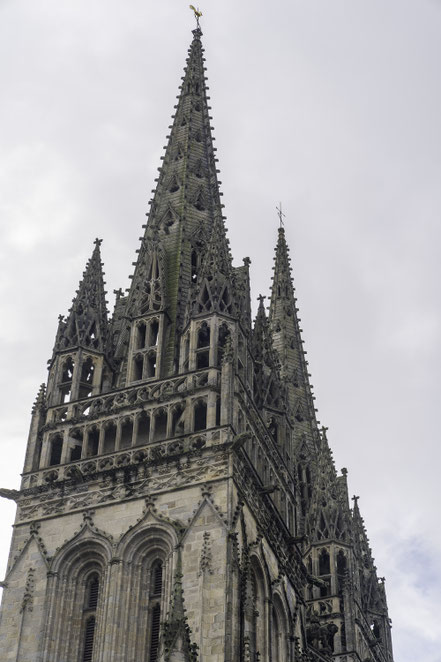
point(178, 501)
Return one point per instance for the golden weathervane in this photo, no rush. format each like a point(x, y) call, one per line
point(197, 14)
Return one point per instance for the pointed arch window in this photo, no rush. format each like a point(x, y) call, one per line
point(324, 567)
point(109, 438)
point(200, 415)
point(56, 450)
point(203, 346)
point(256, 613)
point(65, 385)
point(86, 378)
point(93, 436)
point(178, 420)
point(279, 631)
point(143, 431)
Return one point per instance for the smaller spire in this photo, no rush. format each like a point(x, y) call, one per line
point(86, 324)
point(287, 338)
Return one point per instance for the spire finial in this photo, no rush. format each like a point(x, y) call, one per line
point(98, 242)
point(281, 215)
point(197, 15)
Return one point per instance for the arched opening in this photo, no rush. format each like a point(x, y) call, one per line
point(256, 615)
point(143, 432)
point(86, 378)
point(178, 420)
point(160, 425)
point(153, 333)
point(151, 365)
point(66, 380)
point(87, 370)
point(109, 438)
point(200, 416)
point(203, 346)
point(341, 569)
point(126, 433)
point(324, 573)
point(56, 450)
point(324, 563)
point(279, 631)
point(76, 444)
point(141, 330)
point(138, 365)
point(93, 437)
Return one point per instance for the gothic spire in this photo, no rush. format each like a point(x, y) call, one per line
point(214, 291)
point(185, 208)
point(288, 342)
point(267, 364)
point(86, 324)
point(329, 516)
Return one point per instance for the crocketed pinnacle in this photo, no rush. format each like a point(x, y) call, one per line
point(329, 516)
point(177, 633)
point(288, 343)
point(86, 324)
point(267, 365)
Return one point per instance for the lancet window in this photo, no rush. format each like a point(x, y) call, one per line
point(145, 346)
point(203, 346)
point(75, 444)
point(86, 378)
point(279, 647)
point(93, 437)
point(200, 415)
point(56, 449)
point(256, 613)
point(143, 431)
point(65, 386)
point(324, 563)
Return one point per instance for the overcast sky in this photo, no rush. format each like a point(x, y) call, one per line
point(332, 107)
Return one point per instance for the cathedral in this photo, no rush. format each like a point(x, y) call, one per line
point(179, 501)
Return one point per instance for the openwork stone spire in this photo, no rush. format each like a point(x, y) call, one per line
point(185, 207)
point(86, 324)
point(288, 343)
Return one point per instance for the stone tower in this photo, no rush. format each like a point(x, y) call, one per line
point(178, 500)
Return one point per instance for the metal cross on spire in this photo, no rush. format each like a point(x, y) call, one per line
point(197, 15)
point(280, 214)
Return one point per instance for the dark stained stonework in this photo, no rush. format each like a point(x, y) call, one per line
point(179, 501)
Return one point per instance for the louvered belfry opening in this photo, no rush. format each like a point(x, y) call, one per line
point(154, 633)
point(90, 607)
point(155, 610)
point(89, 635)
